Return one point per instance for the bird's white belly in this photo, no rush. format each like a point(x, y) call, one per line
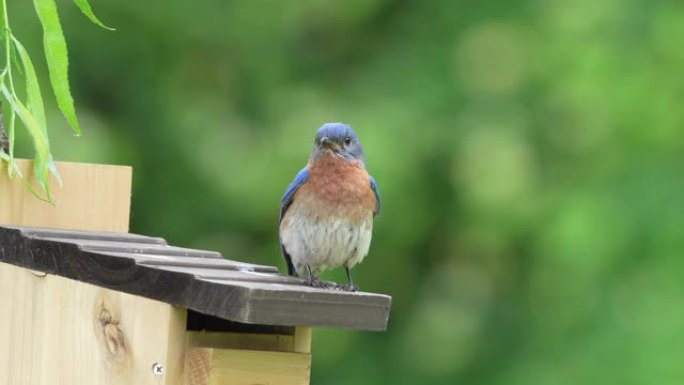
point(326, 243)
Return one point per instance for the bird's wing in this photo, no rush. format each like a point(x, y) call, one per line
point(374, 186)
point(285, 203)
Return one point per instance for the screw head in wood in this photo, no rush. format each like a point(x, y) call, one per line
point(158, 369)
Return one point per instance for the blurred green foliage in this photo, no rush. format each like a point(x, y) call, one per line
point(530, 157)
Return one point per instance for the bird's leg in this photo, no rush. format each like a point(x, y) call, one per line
point(350, 284)
point(312, 281)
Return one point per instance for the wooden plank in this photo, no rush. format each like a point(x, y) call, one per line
point(213, 263)
point(230, 274)
point(248, 367)
point(302, 340)
point(57, 331)
point(93, 197)
point(247, 341)
point(297, 305)
point(143, 248)
point(242, 358)
point(209, 366)
point(75, 235)
point(174, 365)
point(239, 296)
point(199, 366)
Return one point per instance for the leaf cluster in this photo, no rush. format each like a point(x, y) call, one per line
point(31, 110)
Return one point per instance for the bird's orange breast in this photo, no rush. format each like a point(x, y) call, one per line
point(338, 187)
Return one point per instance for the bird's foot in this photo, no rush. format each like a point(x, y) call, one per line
point(350, 287)
point(317, 283)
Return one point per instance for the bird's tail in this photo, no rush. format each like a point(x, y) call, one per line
point(288, 260)
point(290, 268)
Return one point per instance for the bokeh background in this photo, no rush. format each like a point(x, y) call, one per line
point(530, 155)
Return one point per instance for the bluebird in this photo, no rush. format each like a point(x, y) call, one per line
point(327, 212)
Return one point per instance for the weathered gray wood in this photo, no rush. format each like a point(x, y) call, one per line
point(194, 279)
point(233, 275)
point(141, 248)
point(216, 263)
point(43, 232)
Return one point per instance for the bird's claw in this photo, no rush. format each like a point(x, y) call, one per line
point(350, 287)
point(317, 283)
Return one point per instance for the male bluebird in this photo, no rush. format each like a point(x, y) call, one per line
point(326, 214)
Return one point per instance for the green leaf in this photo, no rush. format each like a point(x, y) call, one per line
point(15, 61)
point(8, 111)
point(57, 59)
point(35, 99)
point(40, 163)
point(55, 172)
point(10, 130)
point(2, 18)
point(35, 102)
point(85, 8)
point(28, 186)
point(12, 169)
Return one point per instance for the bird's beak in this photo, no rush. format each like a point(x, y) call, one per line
point(331, 144)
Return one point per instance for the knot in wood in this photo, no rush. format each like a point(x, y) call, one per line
point(114, 337)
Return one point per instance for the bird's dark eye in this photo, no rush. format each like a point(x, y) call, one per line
point(347, 141)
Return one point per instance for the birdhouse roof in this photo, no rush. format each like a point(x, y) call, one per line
point(199, 280)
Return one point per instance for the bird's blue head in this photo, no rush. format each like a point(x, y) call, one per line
point(339, 139)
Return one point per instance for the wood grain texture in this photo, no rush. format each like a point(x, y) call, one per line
point(58, 331)
point(93, 197)
point(205, 365)
point(229, 290)
point(213, 366)
point(199, 366)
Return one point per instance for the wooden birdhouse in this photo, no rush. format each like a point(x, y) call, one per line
point(84, 302)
